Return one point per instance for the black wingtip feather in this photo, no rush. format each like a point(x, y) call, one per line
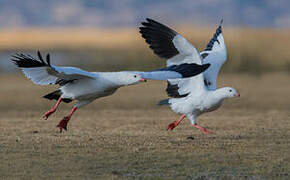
point(40, 56)
point(48, 59)
point(221, 22)
point(27, 61)
point(159, 37)
point(214, 38)
point(187, 70)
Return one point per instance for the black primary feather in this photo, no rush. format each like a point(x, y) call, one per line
point(48, 59)
point(172, 91)
point(214, 38)
point(187, 70)
point(40, 57)
point(159, 37)
point(27, 61)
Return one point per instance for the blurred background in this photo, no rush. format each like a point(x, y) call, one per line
point(103, 35)
point(124, 136)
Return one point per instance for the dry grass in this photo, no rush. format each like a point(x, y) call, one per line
point(124, 136)
point(249, 50)
point(67, 38)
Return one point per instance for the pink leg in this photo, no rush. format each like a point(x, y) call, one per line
point(52, 110)
point(205, 131)
point(176, 123)
point(63, 123)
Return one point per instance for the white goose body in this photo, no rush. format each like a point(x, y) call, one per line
point(93, 91)
point(104, 84)
point(205, 102)
point(196, 95)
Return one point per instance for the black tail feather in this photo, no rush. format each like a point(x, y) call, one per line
point(163, 102)
point(55, 95)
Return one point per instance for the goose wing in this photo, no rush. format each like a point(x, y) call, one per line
point(43, 72)
point(215, 54)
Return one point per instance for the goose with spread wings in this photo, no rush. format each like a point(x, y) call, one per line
point(85, 87)
point(193, 96)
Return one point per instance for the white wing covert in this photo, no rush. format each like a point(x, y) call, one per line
point(215, 53)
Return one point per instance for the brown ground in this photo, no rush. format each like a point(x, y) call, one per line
point(124, 136)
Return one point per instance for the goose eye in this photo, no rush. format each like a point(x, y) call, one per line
point(230, 90)
point(135, 76)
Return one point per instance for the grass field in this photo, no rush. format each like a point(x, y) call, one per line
point(124, 136)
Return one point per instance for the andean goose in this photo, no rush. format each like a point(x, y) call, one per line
point(85, 87)
point(196, 95)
